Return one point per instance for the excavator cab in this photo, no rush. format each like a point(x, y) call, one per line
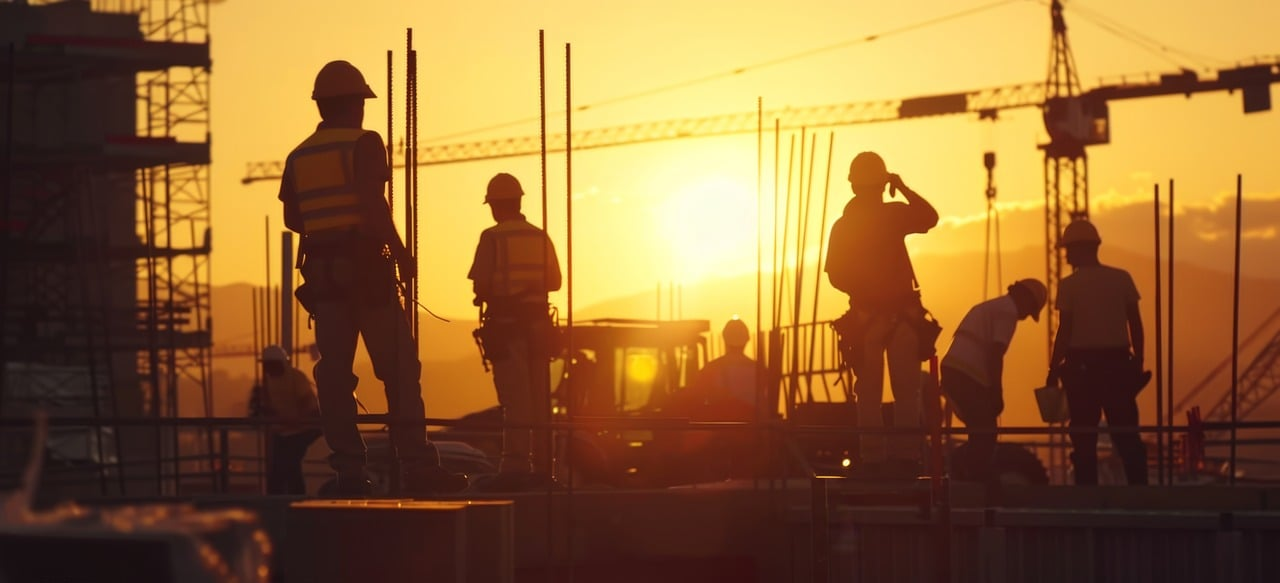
point(619, 382)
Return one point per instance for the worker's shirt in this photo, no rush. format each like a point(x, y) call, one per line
point(1097, 298)
point(332, 181)
point(289, 396)
point(986, 326)
point(867, 252)
point(734, 375)
point(515, 264)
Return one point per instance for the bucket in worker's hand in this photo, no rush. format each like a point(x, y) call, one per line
point(1052, 402)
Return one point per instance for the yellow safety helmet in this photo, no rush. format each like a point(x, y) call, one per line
point(503, 186)
point(868, 168)
point(1038, 292)
point(1080, 231)
point(735, 333)
point(340, 79)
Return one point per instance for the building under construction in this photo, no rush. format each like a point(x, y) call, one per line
point(104, 268)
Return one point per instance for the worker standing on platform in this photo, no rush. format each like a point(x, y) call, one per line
point(1098, 355)
point(285, 394)
point(973, 369)
point(514, 268)
point(332, 191)
point(867, 259)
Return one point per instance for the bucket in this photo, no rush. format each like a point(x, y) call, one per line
point(1052, 402)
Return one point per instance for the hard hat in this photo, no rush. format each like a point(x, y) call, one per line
point(340, 79)
point(1079, 231)
point(735, 333)
point(503, 186)
point(274, 353)
point(868, 168)
point(1039, 294)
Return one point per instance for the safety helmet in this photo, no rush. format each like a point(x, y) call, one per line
point(1037, 292)
point(868, 168)
point(735, 333)
point(340, 79)
point(1079, 231)
point(274, 353)
point(503, 186)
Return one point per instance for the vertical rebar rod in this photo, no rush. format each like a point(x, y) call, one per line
point(409, 308)
point(391, 156)
point(759, 346)
point(267, 327)
point(1235, 332)
point(1169, 359)
point(773, 276)
point(568, 189)
point(415, 193)
point(1159, 345)
point(805, 203)
point(542, 120)
point(822, 240)
point(786, 229)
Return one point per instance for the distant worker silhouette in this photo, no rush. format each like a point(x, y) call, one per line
point(514, 268)
point(1098, 355)
point(733, 385)
point(332, 191)
point(867, 259)
point(286, 394)
point(973, 369)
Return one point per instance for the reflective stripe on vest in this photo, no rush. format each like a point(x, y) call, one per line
point(520, 267)
point(324, 180)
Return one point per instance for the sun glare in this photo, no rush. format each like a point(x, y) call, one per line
point(709, 226)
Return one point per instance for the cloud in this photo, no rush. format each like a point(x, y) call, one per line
point(1203, 231)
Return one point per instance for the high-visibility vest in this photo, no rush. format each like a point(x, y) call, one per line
point(524, 262)
point(325, 182)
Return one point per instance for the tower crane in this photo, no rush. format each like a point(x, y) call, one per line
point(1074, 119)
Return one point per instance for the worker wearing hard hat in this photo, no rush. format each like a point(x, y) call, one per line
point(332, 191)
point(867, 259)
point(514, 268)
point(973, 369)
point(286, 395)
point(1098, 355)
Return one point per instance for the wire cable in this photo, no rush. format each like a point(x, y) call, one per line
point(741, 70)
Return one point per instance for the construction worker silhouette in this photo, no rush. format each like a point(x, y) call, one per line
point(332, 191)
point(732, 385)
point(286, 394)
point(514, 269)
point(1098, 355)
point(973, 369)
point(867, 259)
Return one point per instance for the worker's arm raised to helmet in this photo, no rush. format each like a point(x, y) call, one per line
point(923, 216)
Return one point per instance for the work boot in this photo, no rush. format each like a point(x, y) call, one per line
point(428, 480)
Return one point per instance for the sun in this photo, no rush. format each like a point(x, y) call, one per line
point(709, 226)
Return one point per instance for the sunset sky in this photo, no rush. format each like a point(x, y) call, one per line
point(684, 211)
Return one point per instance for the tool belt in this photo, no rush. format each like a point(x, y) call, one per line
point(503, 322)
point(852, 328)
point(345, 268)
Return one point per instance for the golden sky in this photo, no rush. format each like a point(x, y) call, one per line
point(685, 210)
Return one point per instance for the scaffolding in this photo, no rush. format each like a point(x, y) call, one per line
point(106, 224)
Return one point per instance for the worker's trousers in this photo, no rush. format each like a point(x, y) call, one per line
point(978, 406)
point(1097, 382)
point(387, 338)
point(888, 338)
point(521, 377)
